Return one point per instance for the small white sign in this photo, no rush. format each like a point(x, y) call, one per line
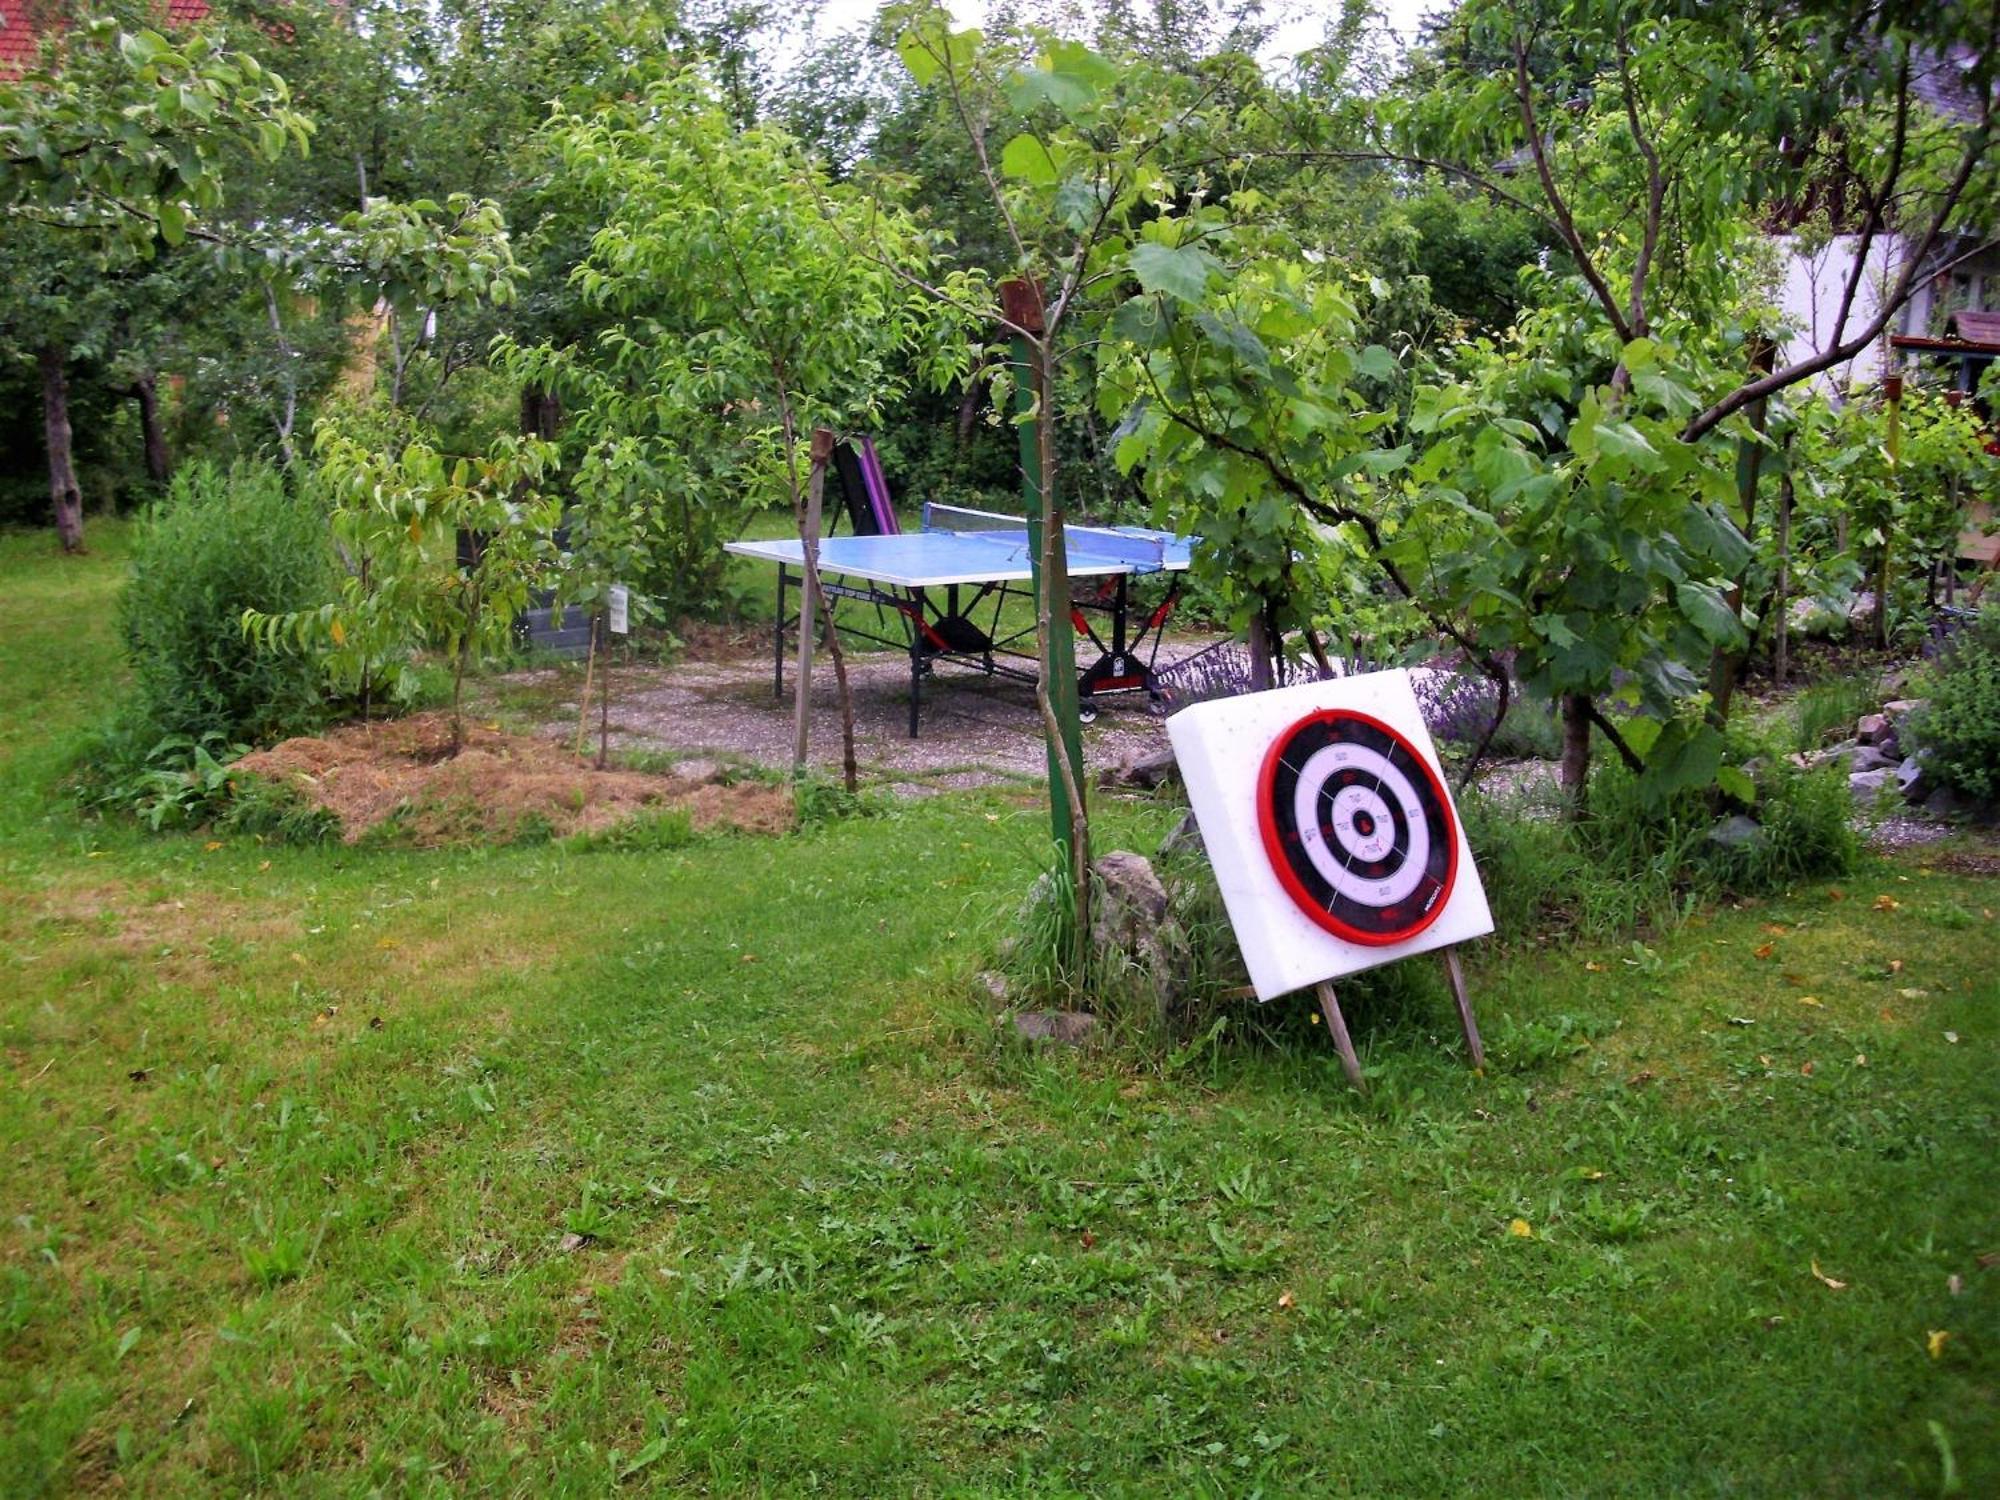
point(1330, 826)
point(618, 604)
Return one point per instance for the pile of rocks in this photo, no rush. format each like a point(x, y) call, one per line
point(1877, 759)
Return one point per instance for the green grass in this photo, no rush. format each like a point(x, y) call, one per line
point(518, 1171)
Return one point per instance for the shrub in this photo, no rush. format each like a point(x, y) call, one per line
point(220, 543)
point(1640, 862)
point(1958, 728)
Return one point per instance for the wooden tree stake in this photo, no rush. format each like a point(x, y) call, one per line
point(1336, 1024)
point(822, 450)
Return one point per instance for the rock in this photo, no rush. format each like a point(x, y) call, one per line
point(1867, 758)
point(1915, 780)
point(1861, 609)
point(1898, 709)
point(1136, 944)
point(1946, 803)
point(1183, 839)
point(994, 983)
point(1130, 920)
point(1866, 786)
point(1833, 754)
point(1067, 1028)
point(1146, 769)
point(1871, 728)
point(1892, 682)
point(1737, 832)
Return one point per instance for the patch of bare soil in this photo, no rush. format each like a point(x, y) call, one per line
point(366, 774)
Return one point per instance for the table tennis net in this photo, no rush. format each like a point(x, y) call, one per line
point(1141, 550)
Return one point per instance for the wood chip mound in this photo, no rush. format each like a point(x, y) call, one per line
point(496, 788)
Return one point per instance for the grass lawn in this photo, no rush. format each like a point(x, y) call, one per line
point(521, 1171)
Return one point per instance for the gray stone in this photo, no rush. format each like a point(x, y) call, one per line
point(1184, 839)
point(1737, 832)
point(1861, 609)
point(994, 983)
point(1871, 728)
point(1915, 780)
point(1898, 709)
point(1145, 769)
point(1130, 921)
point(1867, 758)
point(1066, 1028)
point(1838, 754)
point(1866, 786)
point(1946, 803)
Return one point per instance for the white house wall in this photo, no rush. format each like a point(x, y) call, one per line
point(1809, 294)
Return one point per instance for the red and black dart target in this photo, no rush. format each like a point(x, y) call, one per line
point(1357, 827)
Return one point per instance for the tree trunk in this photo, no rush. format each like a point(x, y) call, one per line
point(1261, 651)
point(68, 499)
point(541, 413)
point(1575, 751)
point(159, 464)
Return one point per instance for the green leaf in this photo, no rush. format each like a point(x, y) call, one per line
point(1144, 321)
point(1685, 757)
point(1231, 334)
point(1027, 158)
point(1070, 75)
point(1716, 538)
point(1377, 363)
point(1709, 613)
point(652, 1453)
point(1623, 440)
point(1178, 270)
point(1736, 782)
point(173, 221)
point(1641, 735)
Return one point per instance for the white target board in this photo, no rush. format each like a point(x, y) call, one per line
point(1330, 827)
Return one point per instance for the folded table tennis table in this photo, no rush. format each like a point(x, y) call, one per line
point(949, 582)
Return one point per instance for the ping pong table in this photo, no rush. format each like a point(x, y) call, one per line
point(948, 583)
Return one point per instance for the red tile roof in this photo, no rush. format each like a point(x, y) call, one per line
point(22, 23)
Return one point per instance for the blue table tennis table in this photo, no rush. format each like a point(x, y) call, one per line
point(948, 583)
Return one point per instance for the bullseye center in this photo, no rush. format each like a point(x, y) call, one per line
point(1364, 824)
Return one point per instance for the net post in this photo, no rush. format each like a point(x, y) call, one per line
point(1021, 301)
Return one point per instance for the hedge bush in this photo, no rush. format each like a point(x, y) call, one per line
point(221, 542)
point(1958, 728)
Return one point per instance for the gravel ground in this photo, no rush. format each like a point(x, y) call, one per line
point(974, 730)
point(716, 707)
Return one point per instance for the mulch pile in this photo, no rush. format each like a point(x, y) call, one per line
point(366, 774)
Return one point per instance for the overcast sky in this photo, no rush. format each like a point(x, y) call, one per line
point(1300, 23)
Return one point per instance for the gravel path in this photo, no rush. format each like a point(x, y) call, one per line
point(975, 730)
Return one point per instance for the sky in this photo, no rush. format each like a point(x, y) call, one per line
point(1299, 22)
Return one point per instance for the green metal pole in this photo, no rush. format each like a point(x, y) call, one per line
point(1051, 587)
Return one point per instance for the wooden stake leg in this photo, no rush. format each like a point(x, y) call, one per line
point(1336, 1025)
point(1455, 976)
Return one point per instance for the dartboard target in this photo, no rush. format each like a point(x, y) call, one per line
point(1357, 827)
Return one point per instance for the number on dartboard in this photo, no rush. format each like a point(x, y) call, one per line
point(1357, 827)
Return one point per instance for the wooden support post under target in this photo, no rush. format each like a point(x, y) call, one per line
point(1455, 977)
point(1336, 1025)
